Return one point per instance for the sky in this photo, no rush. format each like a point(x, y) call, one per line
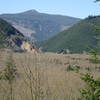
point(74, 8)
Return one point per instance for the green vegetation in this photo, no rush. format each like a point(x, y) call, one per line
point(92, 89)
point(94, 56)
point(73, 68)
point(77, 39)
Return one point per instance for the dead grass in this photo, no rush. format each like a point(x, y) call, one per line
point(56, 82)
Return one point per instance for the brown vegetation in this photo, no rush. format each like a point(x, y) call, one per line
point(44, 76)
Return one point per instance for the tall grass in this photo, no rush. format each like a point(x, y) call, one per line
point(43, 76)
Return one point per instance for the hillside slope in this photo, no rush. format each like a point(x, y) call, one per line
point(10, 37)
point(77, 39)
point(40, 26)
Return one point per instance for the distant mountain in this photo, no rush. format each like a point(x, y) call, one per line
point(40, 26)
point(77, 39)
point(10, 38)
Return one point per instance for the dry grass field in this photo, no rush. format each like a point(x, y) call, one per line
point(44, 76)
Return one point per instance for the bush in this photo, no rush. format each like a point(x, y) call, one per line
point(73, 68)
point(92, 89)
point(94, 57)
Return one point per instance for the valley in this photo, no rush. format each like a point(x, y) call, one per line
point(47, 55)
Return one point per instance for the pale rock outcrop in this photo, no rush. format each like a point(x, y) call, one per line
point(27, 47)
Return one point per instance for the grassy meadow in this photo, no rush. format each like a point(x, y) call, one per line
point(45, 76)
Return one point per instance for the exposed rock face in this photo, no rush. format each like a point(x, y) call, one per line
point(10, 38)
point(26, 32)
point(26, 46)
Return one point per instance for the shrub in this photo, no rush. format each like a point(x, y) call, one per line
point(94, 57)
point(92, 89)
point(73, 68)
point(69, 68)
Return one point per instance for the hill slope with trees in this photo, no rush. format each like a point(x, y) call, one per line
point(77, 39)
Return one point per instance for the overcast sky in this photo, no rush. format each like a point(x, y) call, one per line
point(75, 8)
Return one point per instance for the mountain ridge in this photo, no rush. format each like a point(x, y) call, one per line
point(44, 25)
